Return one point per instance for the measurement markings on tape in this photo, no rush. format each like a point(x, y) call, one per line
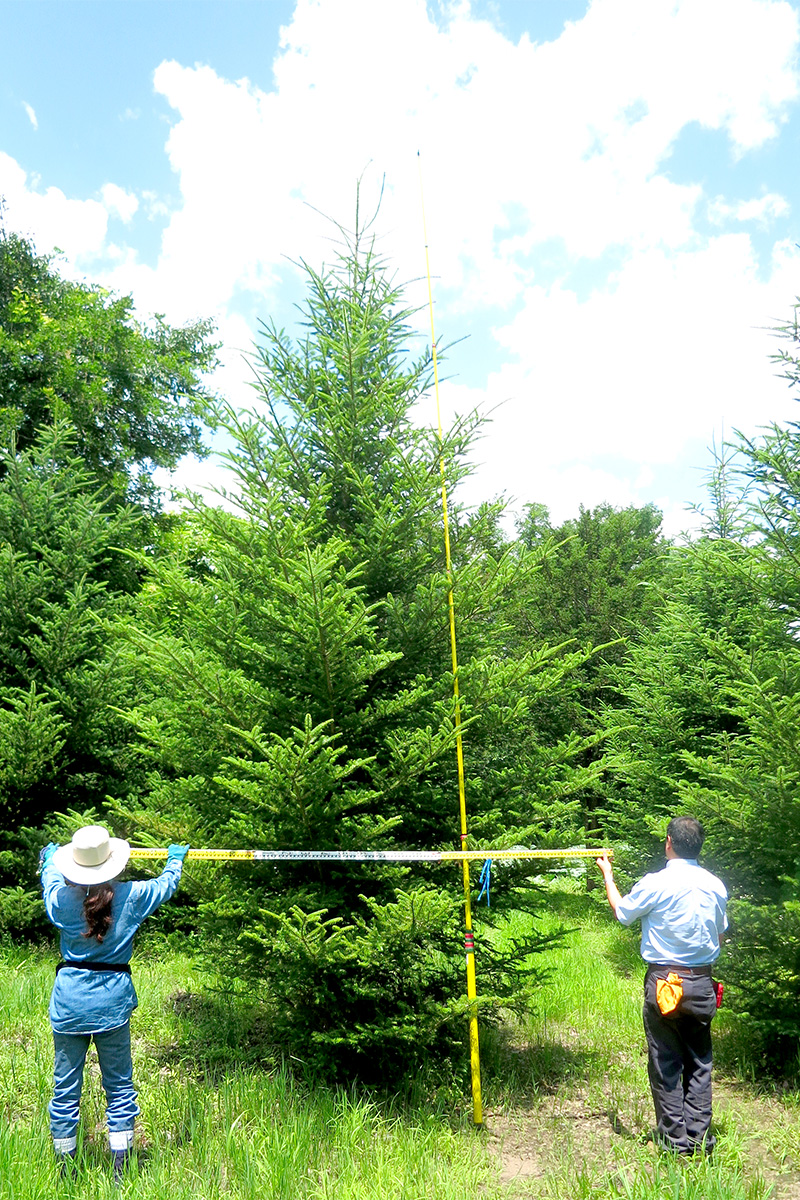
point(471, 855)
point(347, 855)
point(368, 856)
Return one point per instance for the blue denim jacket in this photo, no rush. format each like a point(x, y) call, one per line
point(95, 1001)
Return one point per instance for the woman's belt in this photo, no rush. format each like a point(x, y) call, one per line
point(122, 968)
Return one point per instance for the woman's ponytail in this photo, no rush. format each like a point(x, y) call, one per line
point(97, 910)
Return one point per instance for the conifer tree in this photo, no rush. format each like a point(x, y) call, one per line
point(63, 571)
point(709, 727)
point(597, 585)
point(292, 662)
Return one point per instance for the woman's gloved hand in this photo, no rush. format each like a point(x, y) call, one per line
point(46, 853)
point(177, 852)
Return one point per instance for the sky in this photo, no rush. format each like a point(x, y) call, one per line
point(611, 193)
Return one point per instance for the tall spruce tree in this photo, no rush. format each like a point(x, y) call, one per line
point(295, 691)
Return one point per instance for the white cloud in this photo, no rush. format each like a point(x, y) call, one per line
point(675, 351)
point(154, 206)
point(564, 138)
point(78, 227)
point(679, 520)
point(531, 154)
point(118, 202)
point(762, 210)
point(207, 477)
point(31, 113)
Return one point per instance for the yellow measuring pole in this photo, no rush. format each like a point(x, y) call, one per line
point(469, 940)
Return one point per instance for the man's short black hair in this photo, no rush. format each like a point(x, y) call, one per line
point(687, 836)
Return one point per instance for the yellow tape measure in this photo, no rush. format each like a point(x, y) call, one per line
point(460, 855)
point(368, 856)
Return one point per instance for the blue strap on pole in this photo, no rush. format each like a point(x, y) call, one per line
point(484, 881)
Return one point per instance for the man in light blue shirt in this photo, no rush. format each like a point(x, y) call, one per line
point(682, 910)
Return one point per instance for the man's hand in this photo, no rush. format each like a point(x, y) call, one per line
point(612, 891)
point(604, 863)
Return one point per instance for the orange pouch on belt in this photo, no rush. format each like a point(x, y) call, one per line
point(669, 993)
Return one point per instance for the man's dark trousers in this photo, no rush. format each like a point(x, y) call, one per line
point(679, 1059)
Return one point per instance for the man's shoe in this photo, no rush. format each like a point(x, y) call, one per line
point(704, 1149)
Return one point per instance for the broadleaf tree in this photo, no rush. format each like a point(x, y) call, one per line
point(134, 392)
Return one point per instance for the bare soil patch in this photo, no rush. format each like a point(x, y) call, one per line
point(544, 1138)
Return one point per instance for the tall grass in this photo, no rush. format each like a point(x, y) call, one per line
point(565, 1089)
point(211, 1128)
point(576, 1066)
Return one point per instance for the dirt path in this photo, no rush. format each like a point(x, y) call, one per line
point(546, 1139)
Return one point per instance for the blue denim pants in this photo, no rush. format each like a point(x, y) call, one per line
point(116, 1068)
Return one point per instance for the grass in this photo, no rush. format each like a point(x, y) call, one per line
point(568, 1094)
point(213, 1123)
point(567, 1105)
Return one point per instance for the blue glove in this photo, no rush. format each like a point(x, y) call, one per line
point(177, 852)
point(46, 853)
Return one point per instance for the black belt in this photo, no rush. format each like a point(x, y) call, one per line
point(122, 968)
point(678, 969)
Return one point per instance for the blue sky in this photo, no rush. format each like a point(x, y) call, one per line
point(612, 195)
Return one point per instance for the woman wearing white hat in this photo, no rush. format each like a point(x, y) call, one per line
point(93, 994)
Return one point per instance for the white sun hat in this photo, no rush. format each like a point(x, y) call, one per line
point(92, 856)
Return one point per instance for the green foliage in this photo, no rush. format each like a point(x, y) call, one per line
point(673, 688)
point(710, 728)
point(72, 352)
point(63, 571)
point(32, 737)
point(596, 587)
point(91, 402)
point(20, 910)
point(598, 583)
point(766, 973)
point(370, 989)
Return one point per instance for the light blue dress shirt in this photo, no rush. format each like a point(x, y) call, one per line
point(682, 910)
point(85, 1001)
